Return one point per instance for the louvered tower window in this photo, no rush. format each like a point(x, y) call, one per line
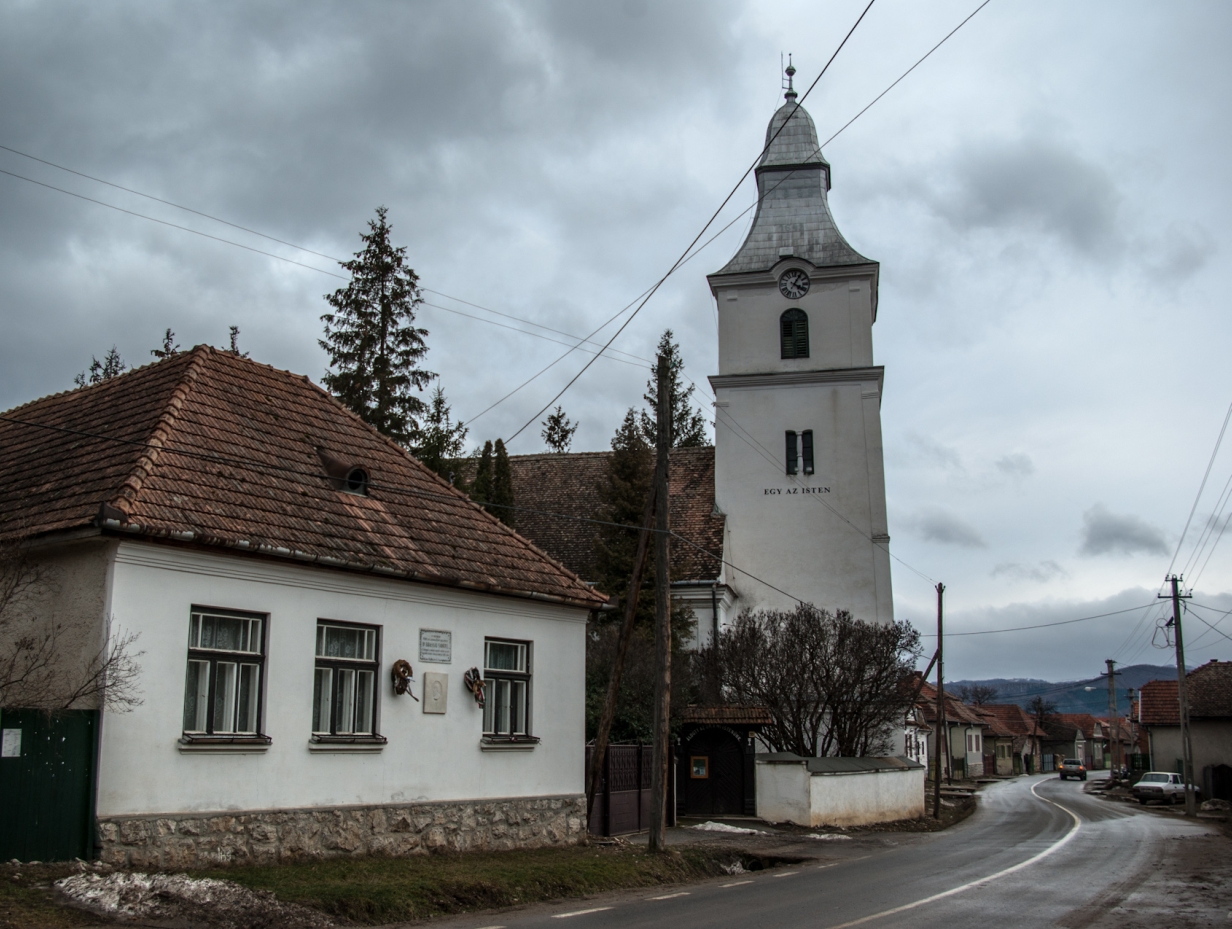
point(793, 330)
point(793, 460)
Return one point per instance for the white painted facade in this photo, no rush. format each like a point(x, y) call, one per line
point(145, 769)
point(788, 791)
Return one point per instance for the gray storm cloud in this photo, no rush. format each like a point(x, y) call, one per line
point(1108, 533)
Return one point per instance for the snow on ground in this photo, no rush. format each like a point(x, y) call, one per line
point(723, 827)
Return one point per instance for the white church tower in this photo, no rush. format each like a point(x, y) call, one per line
point(798, 460)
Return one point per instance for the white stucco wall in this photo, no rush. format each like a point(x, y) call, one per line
point(428, 757)
point(787, 792)
point(783, 792)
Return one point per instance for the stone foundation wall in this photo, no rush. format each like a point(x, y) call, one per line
point(185, 840)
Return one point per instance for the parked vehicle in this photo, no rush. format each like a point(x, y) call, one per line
point(1162, 786)
point(1073, 767)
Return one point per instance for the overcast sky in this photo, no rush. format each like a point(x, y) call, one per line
point(1048, 197)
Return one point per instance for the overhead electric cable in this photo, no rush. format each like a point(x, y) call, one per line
point(1201, 487)
point(1064, 622)
point(679, 261)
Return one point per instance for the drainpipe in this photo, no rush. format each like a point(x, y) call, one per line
point(714, 613)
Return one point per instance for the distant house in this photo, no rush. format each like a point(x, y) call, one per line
point(962, 733)
point(311, 602)
point(1075, 735)
point(1210, 725)
point(1023, 752)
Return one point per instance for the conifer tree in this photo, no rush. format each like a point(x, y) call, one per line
point(481, 486)
point(622, 496)
point(688, 424)
point(170, 347)
point(111, 366)
point(502, 486)
point(439, 444)
point(374, 347)
point(558, 431)
point(235, 343)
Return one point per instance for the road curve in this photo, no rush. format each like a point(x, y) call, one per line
point(1037, 852)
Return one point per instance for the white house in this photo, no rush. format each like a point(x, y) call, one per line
point(288, 571)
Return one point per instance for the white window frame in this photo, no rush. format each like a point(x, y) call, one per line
point(224, 687)
point(508, 693)
point(345, 688)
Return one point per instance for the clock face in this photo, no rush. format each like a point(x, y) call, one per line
point(794, 284)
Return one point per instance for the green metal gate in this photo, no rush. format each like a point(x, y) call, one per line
point(47, 784)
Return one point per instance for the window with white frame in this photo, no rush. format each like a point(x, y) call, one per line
point(344, 683)
point(506, 675)
point(222, 691)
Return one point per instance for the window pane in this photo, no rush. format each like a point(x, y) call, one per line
point(194, 631)
point(502, 707)
point(344, 701)
point(489, 708)
point(227, 633)
point(517, 721)
point(196, 696)
point(506, 656)
point(343, 642)
point(363, 702)
point(250, 687)
point(224, 696)
point(321, 699)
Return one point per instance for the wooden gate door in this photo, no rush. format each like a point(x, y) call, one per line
point(47, 785)
point(713, 775)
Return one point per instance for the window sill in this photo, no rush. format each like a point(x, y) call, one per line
point(232, 745)
point(347, 744)
point(506, 743)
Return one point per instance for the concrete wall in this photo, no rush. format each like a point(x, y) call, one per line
point(145, 771)
point(1211, 740)
point(787, 792)
point(67, 600)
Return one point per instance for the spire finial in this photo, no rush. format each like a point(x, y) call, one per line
point(790, 71)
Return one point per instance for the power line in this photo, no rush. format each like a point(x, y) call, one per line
point(1064, 622)
point(679, 261)
point(1201, 487)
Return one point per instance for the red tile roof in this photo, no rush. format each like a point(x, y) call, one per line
point(1012, 717)
point(1160, 705)
point(215, 450)
point(1210, 696)
point(570, 484)
point(1077, 722)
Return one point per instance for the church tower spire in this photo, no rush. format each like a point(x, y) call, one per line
point(798, 456)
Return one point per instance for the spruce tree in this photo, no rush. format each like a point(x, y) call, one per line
point(111, 366)
point(440, 439)
point(502, 486)
point(374, 346)
point(170, 347)
point(558, 431)
point(481, 486)
point(688, 424)
point(622, 496)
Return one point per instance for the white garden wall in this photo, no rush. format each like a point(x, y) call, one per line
point(862, 791)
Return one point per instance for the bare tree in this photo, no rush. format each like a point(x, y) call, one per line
point(37, 670)
point(832, 683)
point(1043, 710)
point(977, 694)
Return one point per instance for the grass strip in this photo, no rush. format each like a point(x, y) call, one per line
point(372, 891)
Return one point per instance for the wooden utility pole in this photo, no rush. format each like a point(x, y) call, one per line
point(1182, 691)
point(663, 618)
point(1114, 741)
point(939, 736)
point(622, 649)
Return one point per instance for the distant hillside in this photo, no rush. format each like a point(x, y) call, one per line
point(1089, 696)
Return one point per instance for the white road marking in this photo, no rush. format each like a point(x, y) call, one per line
point(844, 861)
point(1055, 846)
point(735, 883)
point(594, 909)
point(491, 927)
point(787, 874)
point(681, 893)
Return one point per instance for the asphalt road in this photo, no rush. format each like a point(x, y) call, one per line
point(1037, 852)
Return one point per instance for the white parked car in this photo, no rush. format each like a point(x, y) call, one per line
point(1162, 786)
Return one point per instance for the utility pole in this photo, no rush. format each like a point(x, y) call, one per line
point(1182, 691)
point(663, 624)
point(1114, 742)
point(940, 735)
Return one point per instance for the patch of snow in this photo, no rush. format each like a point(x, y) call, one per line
point(177, 897)
point(826, 836)
point(723, 827)
point(737, 868)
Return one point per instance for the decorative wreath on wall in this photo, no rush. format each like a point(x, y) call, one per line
point(403, 675)
point(473, 682)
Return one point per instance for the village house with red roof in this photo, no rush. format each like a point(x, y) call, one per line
point(317, 615)
point(1210, 726)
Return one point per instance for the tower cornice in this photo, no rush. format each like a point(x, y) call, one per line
point(759, 279)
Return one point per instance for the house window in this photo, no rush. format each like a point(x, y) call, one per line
point(806, 450)
point(222, 692)
point(793, 332)
point(506, 675)
point(793, 459)
point(344, 687)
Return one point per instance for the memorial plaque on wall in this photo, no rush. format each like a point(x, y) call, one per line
point(436, 646)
